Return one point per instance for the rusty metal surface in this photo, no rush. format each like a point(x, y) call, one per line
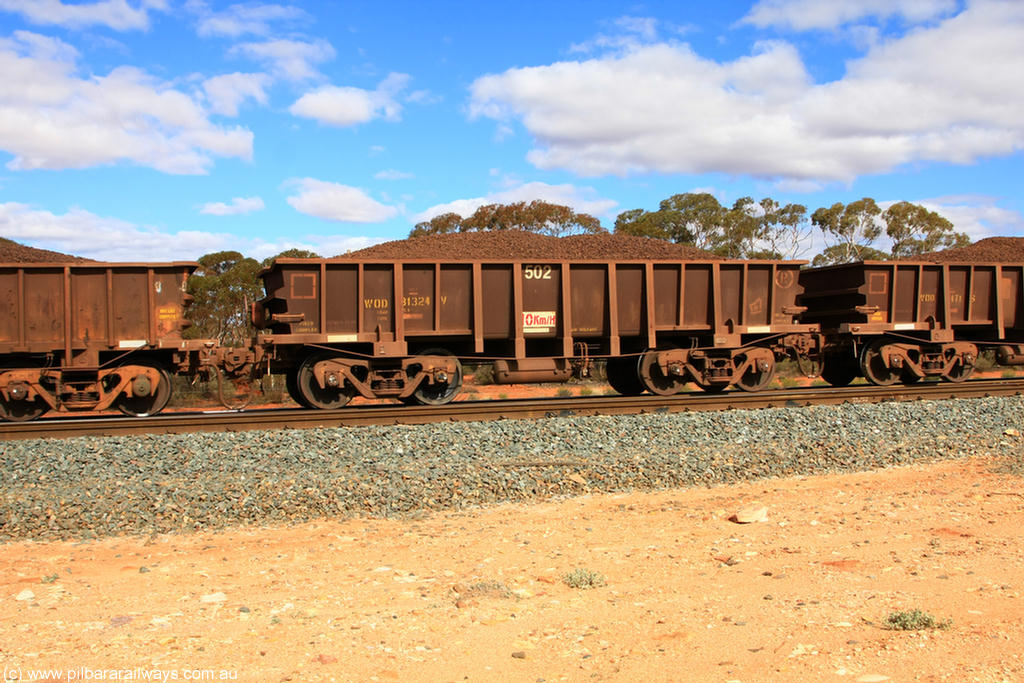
point(90, 336)
point(496, 410)
point(875, 297)
point(526, 309)
point(86, 308)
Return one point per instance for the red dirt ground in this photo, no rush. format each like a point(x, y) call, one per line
point(479, 595)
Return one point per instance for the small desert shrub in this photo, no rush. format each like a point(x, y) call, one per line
point(485, 589)
point(913, 620)
point(586, 391)
point(986, 361)
point(583, 578)
point(483, 374)
point(564, 392)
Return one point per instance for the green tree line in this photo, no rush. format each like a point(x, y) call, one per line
point(767, 229)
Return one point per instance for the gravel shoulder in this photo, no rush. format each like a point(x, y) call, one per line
point(91, 487)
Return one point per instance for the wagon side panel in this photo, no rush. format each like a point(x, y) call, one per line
point(340, 303)
point(1012, 295)
point(589, 297)
point(497, 293)
point(457, 303)
point(44, 307)
point(629, 294)
point(698, 296)
point(11, 306)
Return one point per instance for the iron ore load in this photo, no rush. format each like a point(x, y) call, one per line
point(396, 321)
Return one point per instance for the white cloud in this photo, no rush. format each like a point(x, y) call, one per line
point(118, 15)
point(627, 32)
point(82, 233)
point(347, 106)
point(950, 93)
point(238, 206)
point(423, 97)
point(241, 19)
point(226, 93)
point(292, 60)
point(336, 202)
point(392, 174)
point(580, 199)
point(51, 118)
point(802, 15)
point(979, 216)
point(325, 245)
point(645, 27)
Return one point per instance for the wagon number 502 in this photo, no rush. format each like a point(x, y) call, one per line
point(537, 272)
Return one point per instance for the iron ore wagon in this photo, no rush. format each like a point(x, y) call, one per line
point(88, 336)
point(901, 321)
point(400, 328)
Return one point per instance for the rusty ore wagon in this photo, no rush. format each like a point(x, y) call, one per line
point(400, 328)
point(88, 336)
point(901, 321)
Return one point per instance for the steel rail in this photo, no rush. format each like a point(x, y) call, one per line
point(208, 421)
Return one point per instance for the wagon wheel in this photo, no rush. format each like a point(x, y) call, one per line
point(959, 372)
point(313, 395)
point(21, 410)
point(291, 384)
point(840, 370)
point(907, 377)
point(873, 366)
point(655, 380)
point(622, 374)
point(148, 400)
point(439, 393)
point(755, 379)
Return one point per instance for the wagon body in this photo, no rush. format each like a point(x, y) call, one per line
point(900, 321)
point(520, 309)
point(74, 310)
point(536, 320)
point(934, 300)
point(85, 336)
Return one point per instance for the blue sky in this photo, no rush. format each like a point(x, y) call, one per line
point(167, 129)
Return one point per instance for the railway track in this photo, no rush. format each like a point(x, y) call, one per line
point(498, 410)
